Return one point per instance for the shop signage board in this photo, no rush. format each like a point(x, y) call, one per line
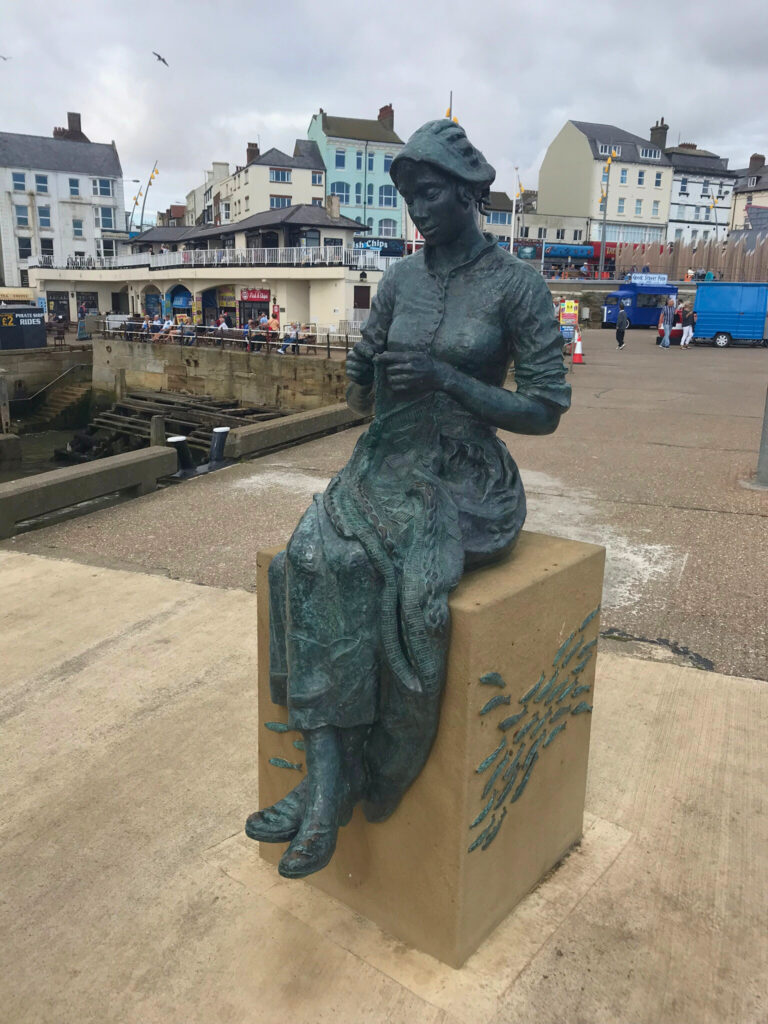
point(569, 312)
point(227, 297)
point(22, 327)
point(648, 278)
point(254, 294)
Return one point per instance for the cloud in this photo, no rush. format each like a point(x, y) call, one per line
point(259, 71)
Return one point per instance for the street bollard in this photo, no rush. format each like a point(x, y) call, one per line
point(762, 458)
point(187, 465)
point(218, 441)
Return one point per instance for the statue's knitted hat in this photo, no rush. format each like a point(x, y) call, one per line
point(445, 144)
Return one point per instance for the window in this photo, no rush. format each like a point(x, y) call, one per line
point(697, 213)
point(41, 182)
point(44, 216)
point(341, 158)
point(369, 195)
point(24, 278)
point(705, 189)
point(105, 218)
point(497, 217)
point(678, 234)
point(650, 154)
point(388, 227)
point(623, 176)
point(22, 216)
point(655, 208)
point(748, 200)
point(605, 177)
point(602, 206)
point(77, 227)
point(25, 248)
point(280, 202)
point(620, 208)
point(19, 181)
point(560, 234)
point(74, 186)
point(225, 208)
point(638, 207)
point(359, 160)
point(105, 247)
point(46, 247)
point(279, 174)
point(641, 177)
point(657, 181)
point(370, 161)
point(341, 189)
point(387, 195)
point(369, 222)
point(683, 186)
point(694, 235)
point(359, 220)
point(525, 232)
point(101, 186)
point(705, 235)
point(247, 203)
point(751, 182)
point(358, 193)
point(577, 233)
point(542, 232)
point(707, 212)
point(317, 177)
point(680, 212)
point(387, 162)
point(605, 148)
point(317, 202)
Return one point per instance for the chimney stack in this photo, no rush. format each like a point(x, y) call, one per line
point(387, 117)
point(756, 161)
point(251, 153)
point(659, 134)
point(333, 206)
point(73, 131)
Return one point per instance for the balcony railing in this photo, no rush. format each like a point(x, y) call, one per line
point(299, 256)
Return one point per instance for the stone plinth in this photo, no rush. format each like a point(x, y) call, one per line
point(501, 799)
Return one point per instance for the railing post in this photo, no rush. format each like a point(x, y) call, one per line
point(762, 458)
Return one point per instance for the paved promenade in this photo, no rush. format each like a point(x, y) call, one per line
point(128, 765)
point(129, 731)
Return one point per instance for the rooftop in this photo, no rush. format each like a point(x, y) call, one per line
point(364, 129)
point(306, 155)
point(37, 152)
point(631, 145)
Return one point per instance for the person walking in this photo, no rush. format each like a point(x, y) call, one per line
point(666, 321)
point(689, 322)
point(622, 323)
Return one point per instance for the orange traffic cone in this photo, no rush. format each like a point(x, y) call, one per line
point(578, 352)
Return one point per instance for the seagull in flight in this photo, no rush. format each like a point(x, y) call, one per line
point(161, 59)
point(4, 58)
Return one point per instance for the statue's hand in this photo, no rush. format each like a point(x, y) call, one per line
point(360, 363)
point(412, 371)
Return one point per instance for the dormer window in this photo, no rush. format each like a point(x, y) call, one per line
point(751, 182)
point(605, 148)
point(650, 154)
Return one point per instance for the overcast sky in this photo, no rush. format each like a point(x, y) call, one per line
point(257, 70)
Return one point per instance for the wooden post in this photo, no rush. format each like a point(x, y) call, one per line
point(5, 409)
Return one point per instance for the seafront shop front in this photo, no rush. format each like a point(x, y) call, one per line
point(322, 295)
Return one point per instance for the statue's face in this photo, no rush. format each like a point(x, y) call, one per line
point(435, 202)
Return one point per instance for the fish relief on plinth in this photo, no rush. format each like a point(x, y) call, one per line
point(528, 729)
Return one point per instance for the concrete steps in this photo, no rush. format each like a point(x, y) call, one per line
point(56, 404)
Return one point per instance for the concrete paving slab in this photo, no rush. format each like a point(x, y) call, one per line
point(128, 764)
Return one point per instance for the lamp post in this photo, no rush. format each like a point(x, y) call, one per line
point(154, 173)
point(136, 181)
point(604, 196)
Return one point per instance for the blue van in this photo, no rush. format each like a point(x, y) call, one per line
point(729, 312)
point(643, 303)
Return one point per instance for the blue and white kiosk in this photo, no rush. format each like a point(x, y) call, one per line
point(644, 296)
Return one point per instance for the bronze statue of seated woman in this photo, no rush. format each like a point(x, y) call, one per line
point(359, 619)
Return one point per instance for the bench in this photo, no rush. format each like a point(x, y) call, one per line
point(134, 472)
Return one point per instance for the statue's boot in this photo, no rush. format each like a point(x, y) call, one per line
point(280, 822)
point(327, 805)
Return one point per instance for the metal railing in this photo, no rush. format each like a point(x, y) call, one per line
point(70, 369)
point(293, 256)
point(311, 340)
